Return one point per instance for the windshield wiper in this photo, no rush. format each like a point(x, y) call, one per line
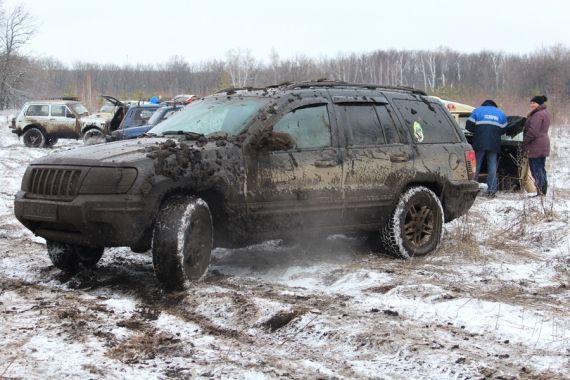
point(189, 135)
point(149, 134)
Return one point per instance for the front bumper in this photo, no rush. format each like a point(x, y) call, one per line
point(91, 220)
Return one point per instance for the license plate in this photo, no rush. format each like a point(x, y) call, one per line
point(40, 211)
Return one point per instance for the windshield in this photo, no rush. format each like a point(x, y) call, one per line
point(107, 107)
point(79, 109)
point(162, 113)
point(209, 116)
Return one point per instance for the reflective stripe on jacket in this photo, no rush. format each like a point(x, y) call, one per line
point(487, 123)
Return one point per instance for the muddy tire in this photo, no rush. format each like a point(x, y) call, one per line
point(69, 257)
point(34, 138)
point(415, 227)
point(93, 136)
point(182, 241)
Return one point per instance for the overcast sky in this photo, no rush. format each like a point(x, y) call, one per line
point(145, 31)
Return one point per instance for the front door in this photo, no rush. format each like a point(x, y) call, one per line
point(298, 179)
point(59, 124)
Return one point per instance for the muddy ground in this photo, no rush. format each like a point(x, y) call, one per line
point(493, 302)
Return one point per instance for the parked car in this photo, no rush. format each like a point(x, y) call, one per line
point(184, 98)
point(127, 115)
point(245, 165)
point(129, 131)
point(512, 171)
point(41, 123)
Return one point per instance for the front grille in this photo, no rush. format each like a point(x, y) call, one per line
point(54, 183)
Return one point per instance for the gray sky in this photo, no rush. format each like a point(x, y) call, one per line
point(145, 31)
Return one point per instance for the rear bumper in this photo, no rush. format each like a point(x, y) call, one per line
point(458, 197)
point(94, 220)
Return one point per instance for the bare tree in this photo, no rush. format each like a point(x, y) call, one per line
point(241, 66)
point(16, 28)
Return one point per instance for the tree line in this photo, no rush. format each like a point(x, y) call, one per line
point(466, 77)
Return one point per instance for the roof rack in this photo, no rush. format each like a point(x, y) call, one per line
point(68, 98)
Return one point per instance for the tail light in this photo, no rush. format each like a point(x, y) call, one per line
point(471, 162)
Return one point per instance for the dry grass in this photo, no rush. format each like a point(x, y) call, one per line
point(144, 346)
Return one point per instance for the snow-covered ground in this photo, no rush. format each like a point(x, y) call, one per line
point(493, 302)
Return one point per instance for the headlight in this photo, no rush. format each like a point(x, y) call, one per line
point(108, 180)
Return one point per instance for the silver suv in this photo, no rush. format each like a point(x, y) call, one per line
point(42, 123)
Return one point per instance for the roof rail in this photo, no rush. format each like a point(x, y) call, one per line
point(323, 83)
point(233, 90)
point(327, 83)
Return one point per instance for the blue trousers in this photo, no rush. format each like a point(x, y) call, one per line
point(538, 171)
point(492, 160)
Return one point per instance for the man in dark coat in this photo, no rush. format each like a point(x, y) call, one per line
point(487, 123)
point(536, 143)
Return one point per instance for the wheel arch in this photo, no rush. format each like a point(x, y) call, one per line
point(89, 127)
point(38, 126)
point(213, 198)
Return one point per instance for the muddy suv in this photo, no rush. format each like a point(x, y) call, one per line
point(243, 166)
point(42, 123)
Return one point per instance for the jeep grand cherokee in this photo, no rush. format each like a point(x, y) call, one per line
point(244, 165)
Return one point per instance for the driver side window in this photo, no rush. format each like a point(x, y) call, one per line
point(307, 127)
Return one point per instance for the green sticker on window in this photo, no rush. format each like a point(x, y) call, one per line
point(418, 132)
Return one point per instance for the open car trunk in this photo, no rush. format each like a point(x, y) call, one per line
point(513, 173)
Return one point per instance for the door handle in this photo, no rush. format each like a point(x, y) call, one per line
point(399, 157)
point(325, 163)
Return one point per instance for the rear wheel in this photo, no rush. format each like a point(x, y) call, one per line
point(34, 138)
point(93, 136)
point(182, 241)
point(68, 257)
point(415, 228)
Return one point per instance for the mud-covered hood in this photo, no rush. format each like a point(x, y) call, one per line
point(99, 117)
point(116, 153)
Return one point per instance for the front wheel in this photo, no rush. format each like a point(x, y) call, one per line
point(415, 228)
point(34, 138)
point(182, 241)
point(50, 142)
point(68, 257)
point(93, 136)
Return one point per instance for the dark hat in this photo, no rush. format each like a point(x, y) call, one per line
point(489, 102)
point(539, 99)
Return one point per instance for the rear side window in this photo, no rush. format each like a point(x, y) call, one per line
point(58, 111)
point(388, 121)
point(37, 110)
point(309, 127)
point(361, 124)
point(426, 122)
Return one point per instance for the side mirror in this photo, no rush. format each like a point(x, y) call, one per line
point(70, 116)
point(280, 141)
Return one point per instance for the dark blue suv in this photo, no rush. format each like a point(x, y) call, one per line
point(140, 118)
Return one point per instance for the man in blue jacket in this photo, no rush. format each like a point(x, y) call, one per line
point(487, 123)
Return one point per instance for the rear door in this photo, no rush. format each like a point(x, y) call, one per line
point(377, 157)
